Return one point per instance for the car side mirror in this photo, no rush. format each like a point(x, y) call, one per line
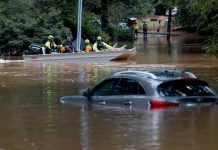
point(87, 93)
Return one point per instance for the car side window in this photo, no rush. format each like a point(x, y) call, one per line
point(105, 88)
point(128, 87)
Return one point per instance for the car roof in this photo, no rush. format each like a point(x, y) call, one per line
point(158, 74)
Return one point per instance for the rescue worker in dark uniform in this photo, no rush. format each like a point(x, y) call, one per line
point(68, 45)
point(145, 29)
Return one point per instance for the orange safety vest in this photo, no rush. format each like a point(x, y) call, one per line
point(88, 48)
point(63, 49)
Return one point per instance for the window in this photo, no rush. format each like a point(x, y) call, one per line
point(128, 87)
point(118, 86)
point(185, 88)
point(105, 88)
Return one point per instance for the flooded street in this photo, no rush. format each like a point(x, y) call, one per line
point(33, 118)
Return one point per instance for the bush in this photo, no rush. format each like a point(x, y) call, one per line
point(122, 34)
point(211, 46)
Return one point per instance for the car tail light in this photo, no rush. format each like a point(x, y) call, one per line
point(156, 103)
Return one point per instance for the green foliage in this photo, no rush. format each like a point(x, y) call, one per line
point(207, 15)
point(51, 23)
point(13, 25)
point(93, 6)
point(21, 25)
point(91, 27)
point(186, 17)
point(207, 22)
point(121, 10)
point(122, 34)
point(203, 16)
point(211, 45)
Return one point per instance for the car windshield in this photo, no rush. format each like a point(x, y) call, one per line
point(185, 88)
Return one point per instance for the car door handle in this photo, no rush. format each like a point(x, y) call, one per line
point(102, 102)
point(128, 103)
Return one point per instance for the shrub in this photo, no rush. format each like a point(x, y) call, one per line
point(122, 34)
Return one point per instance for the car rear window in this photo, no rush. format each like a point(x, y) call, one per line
point(185, 88)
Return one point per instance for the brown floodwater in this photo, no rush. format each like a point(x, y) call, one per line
point(32, 117)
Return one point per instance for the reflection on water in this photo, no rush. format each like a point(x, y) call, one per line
point(32, 117)
point(84, 129)
point(176, 51)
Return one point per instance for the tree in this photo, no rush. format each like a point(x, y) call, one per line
point(104, 14)
point(21, 24)
point(203, 17)
point(186, 17)
point(207, 22)
point(118, 9)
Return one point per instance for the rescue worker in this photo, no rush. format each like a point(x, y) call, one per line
point(67, 46)
point(50, 45)
point(88, 46)
point(145, 29)
point(136, 27)
point(100, 45)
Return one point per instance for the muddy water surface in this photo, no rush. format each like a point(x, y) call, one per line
point(32, 117)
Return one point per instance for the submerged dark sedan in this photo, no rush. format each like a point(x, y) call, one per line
point(159, 87)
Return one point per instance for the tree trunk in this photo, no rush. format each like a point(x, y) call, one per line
point(169, 23)
point(104, 14)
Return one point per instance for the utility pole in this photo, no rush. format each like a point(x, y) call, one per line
point(79, 25)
